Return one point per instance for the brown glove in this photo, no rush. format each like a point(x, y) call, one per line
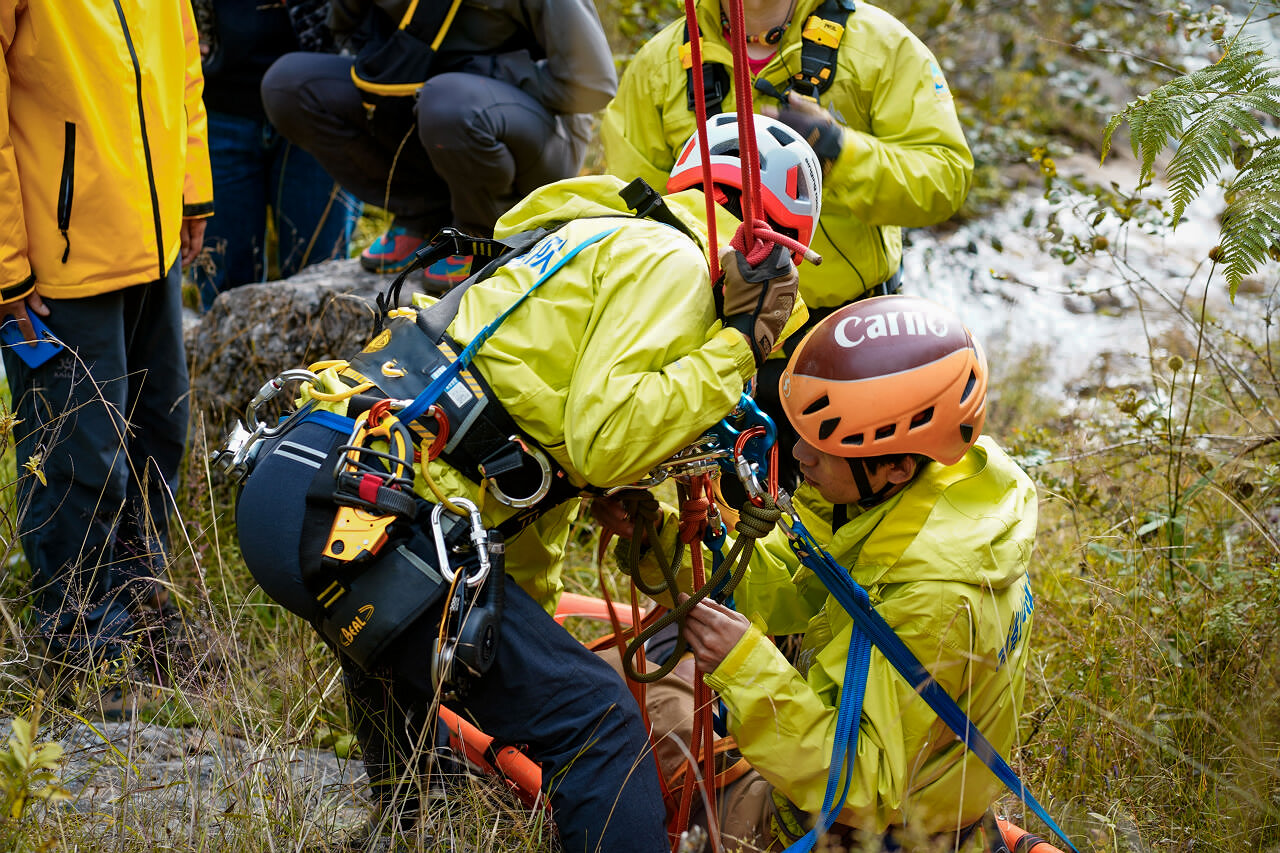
point(758, 299)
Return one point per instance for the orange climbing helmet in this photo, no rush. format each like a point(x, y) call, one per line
point(892, 374)
point(790, 173)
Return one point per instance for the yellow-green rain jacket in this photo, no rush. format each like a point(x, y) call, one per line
point(904, 163)
point(945, 563)
point(615, 363)
point(103, 144)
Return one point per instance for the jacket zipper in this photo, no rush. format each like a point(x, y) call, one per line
point(146, 144)
point(66, 186)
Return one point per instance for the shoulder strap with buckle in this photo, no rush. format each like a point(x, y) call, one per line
point(715, 79)
point(820, 45)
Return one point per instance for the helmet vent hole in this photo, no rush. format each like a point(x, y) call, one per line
point(968, 387)
point(779, 134)
point(966, 433)
point(817, 405)
point(921, 418)
point(854, 440)
point(828, 427)
point(886, 431)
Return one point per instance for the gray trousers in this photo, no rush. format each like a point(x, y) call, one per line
point(478, 147)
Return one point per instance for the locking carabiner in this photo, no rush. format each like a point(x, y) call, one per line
point(479, 540)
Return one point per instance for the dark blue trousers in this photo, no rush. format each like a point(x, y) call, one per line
point(106, 422)
point(546, 691)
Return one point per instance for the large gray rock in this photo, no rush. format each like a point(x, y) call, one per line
point(254, 332)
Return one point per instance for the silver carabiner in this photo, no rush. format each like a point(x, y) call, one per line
point(479, 540)
point(268, 392)
point(539, 493)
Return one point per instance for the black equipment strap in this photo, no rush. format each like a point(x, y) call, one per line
point(715, 80)
point(820, 47)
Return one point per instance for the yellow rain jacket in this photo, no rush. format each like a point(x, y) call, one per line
point(615, 363)
point(904, 163)
point(103, 145)
point(945, 563)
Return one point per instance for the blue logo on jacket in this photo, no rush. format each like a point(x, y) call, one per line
point(1018, 624)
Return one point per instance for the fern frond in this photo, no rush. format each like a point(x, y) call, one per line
point(1251, 221)
point(1206, 112)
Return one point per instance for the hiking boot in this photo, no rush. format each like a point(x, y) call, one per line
point(119, 703)
point(441, 276)
point(392, 252)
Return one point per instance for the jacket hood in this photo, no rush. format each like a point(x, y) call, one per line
point(972, 522)
point(593, 196)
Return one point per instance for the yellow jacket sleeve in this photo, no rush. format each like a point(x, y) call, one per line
point(197, 190)
point(16, 278)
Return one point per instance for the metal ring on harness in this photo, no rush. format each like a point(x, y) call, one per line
point(540, 492)
point(478, 537)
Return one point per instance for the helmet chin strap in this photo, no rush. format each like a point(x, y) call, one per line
point(861, 478)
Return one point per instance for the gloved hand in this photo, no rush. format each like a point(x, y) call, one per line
point(818, 127)
point(758, 299)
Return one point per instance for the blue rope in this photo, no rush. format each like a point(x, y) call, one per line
point(870, 625)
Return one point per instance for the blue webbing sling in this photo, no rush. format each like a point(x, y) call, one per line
point(432, 392)
point(870, 627)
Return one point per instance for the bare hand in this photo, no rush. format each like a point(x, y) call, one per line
point(18, 310)
point(712, 631)
point(192, 235)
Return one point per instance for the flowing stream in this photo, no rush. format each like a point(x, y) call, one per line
point(1098, 321)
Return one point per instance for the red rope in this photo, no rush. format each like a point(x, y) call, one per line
point(704, 150)
point(748, 239)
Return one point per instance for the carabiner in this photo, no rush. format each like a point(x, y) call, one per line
point(479, 540)
point(379, 424)
point(747, 470)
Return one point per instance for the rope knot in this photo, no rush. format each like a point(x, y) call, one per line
point(757, 521)
point(693, 519)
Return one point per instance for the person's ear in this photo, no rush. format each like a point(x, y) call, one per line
point(903, 469)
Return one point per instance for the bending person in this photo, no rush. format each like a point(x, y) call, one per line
point(618, 360)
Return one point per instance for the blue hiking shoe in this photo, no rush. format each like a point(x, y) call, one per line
point(392, 252)
point(445, 273)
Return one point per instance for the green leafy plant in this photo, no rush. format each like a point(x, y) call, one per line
point(1212, 117)
point(28, 776)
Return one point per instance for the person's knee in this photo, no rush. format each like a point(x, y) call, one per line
point(453, 111)
point(284, 92)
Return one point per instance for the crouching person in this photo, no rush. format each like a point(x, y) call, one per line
point(937, 524)
point(581, 359)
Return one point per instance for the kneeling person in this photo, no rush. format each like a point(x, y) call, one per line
point(937, 525)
